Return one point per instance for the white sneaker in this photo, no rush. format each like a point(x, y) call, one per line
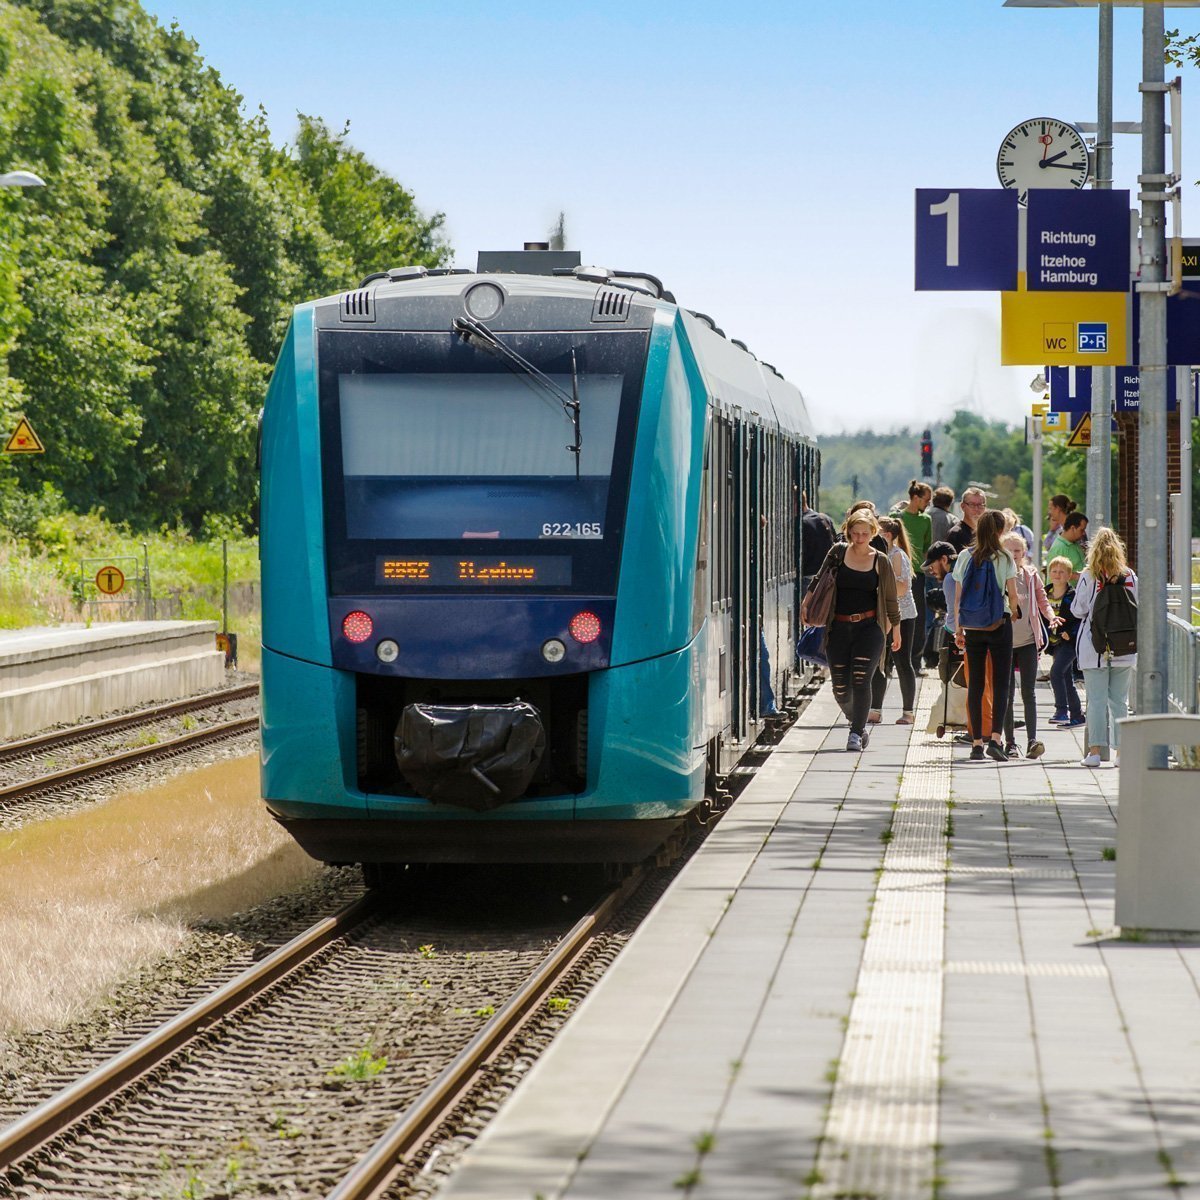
point(1090, 760)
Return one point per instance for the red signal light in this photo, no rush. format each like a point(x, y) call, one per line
point(585, 627)
point(357, 626)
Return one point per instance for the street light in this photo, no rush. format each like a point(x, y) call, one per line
point(21, 179)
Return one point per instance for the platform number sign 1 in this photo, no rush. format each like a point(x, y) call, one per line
point(966, 239)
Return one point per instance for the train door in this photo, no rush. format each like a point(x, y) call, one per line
point(754, 561)
point(740, 627)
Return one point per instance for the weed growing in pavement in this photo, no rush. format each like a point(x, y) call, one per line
point(831, 1072)
point(488, 1010)
point(146, 738)
point(558, 1003)
point(361, 1066)
point(949, 827)
point(734, 1067)
point(886, 836)
point(689, 1179)
point(188, 722)
point(427, 951)
point(1109, 854)
point(705, 1142)
point(1094, 933)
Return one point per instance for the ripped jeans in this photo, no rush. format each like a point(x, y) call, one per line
point(854, 649)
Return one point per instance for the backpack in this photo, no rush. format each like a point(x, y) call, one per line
point(1114, 618)
point(980, 606)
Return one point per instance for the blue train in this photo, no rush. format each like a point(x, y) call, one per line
point(530, 548)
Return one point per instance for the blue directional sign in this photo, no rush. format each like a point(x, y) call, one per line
point(1070, 389)
point(1077, 241)
point(967, 240)
point(1128, 394)
point(1183, 327)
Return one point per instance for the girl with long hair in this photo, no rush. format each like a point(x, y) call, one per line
point(1106, 676)
point(991, 643)
point(900, 556)
point(1029, 637)
point(862, 615)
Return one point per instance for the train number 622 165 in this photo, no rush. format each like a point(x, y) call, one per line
point(575, 529)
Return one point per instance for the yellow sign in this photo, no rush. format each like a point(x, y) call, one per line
point(1064, 329)
point(1054, 422)
point(110, 580)
point(1081, 435)
point(24, 440)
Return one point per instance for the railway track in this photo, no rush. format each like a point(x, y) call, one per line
point(106, 1134)
point(104, 734)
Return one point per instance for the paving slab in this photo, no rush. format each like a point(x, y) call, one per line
point(915, 991)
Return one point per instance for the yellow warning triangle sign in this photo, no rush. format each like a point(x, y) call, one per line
point(24, 440)
point(1081, 435)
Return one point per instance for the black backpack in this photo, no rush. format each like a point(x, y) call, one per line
point(1114, 617)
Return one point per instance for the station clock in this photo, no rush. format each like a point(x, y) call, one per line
point(1042, 153)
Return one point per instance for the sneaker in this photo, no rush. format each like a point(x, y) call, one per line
point(1011, 751)
point(905, 719)
point(874, 717)
point(1090, 760)
point(996, 751)
point(866, 737)
point(976, 754)
point(1035, 749)
point(854, 742)
point(962, 739)
point(1059, 718)
point(921, 673)
point(1074, 723)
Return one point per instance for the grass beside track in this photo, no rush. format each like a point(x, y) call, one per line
point(89, 897)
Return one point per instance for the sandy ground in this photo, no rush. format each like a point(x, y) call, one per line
point(92, 896)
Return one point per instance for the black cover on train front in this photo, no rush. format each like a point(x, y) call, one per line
point(473, 755)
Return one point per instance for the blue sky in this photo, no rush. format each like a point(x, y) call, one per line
point(760, 160)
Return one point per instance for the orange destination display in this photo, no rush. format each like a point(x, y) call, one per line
point(451, 570)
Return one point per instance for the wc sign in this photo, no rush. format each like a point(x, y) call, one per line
point(1066, 337)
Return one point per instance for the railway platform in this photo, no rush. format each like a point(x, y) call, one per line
point(62, 674)
point(883, 976)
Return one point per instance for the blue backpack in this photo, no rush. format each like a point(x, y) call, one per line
point(981, 606)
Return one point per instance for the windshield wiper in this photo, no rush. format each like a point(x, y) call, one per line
point(477, 334)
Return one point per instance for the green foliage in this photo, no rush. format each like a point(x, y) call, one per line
point(145, 290)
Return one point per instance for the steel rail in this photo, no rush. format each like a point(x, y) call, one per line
point(124, 758)
point(378, 1168)
point(51, 1118)
point(145, 716)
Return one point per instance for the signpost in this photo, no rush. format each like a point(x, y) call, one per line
point(1081, 435)
point(1064, 329)
point(966, 239)
point(1077, 241)
point(24, 440)
point(110, 580)
point(1070, 389)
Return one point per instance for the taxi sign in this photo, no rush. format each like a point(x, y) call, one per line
point(24, 440)
point(1064, 329)
point(110, 580)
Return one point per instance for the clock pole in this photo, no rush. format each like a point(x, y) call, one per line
point(1099, 454)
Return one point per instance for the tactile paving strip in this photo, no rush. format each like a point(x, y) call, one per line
point(883, 1116)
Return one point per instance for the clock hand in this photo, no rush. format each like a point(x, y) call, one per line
point(1049, 162)
point(1062, 166)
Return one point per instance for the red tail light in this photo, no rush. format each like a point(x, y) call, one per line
point(357, 626)
point(585, 627)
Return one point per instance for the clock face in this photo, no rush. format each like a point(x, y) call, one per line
point(1042, 153)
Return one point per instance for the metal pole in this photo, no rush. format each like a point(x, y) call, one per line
point(1186, 394)
point(1035, 518)
point(1099, 454)
point(1152, 406)
point(146, 578)
point(225, 585)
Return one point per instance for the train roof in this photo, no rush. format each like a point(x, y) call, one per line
point(593, 295)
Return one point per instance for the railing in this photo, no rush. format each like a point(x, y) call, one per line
point(1183, 665)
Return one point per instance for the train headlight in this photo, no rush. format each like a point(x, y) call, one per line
point(357, 626)
point(585, 627)
point(554, 651)
point(484, 301)
point(387, 651)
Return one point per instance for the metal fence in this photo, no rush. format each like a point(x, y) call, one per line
point(1183, 665)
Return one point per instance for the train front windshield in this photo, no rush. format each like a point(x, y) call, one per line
point(447, 467)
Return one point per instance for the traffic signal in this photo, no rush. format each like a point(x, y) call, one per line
point(927, 454)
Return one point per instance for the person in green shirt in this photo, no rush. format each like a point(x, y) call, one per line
point(1068, 545)
point(919, 529)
